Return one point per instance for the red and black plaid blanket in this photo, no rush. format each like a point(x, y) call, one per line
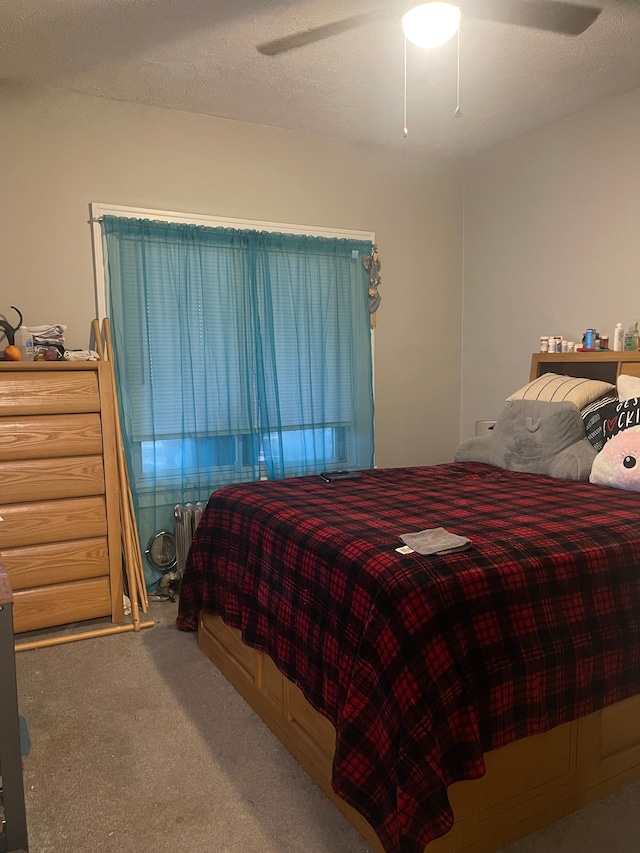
point(422, 663)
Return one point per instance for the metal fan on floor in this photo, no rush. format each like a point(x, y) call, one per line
point(418, 21)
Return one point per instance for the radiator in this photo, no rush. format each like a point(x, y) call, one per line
point(186, 519)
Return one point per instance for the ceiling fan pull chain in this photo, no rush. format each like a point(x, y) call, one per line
point(458, 111)
point(406, 131)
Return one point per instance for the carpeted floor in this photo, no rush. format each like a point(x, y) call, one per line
point(139, 745)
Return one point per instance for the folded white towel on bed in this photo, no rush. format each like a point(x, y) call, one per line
point(435, 540)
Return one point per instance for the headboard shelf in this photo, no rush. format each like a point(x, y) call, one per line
point(606, 366)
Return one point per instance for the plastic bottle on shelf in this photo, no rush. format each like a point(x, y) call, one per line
point(631, 338)
point(618, 337)
point(24, 341)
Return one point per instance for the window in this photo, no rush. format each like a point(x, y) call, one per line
point(240, 354)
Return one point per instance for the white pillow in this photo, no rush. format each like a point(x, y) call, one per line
point(628, 386)
point(555, 388)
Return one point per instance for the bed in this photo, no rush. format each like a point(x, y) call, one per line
point(457, 701)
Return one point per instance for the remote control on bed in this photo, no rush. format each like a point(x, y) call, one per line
point(329, 476)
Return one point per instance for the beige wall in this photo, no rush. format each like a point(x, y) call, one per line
point(61, 151)
point(551, 246)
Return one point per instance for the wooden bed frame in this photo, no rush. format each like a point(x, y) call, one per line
point(529, 784)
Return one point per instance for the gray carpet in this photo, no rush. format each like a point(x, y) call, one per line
point(139, 745)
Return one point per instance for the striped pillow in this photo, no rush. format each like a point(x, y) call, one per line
point(554, 388)
point(594, 416)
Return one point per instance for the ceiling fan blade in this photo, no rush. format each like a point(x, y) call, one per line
point(271, 48)
point(553, 15)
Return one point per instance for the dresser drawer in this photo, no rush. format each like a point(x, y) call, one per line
point(44, 606)
point(45, 436)
point(48, 479)
point(40, 522)
point(59, 562)
point(30, 392)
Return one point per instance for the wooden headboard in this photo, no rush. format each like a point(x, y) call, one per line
point(606, 366)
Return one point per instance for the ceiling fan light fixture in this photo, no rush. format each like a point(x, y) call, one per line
point(431, 24)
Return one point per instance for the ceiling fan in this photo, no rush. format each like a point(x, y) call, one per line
point(554, 16)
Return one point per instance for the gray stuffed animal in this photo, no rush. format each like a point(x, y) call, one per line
point(536, 437)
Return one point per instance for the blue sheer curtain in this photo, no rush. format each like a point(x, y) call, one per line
point(238, 355)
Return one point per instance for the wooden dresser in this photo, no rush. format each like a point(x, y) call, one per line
point(59, 499)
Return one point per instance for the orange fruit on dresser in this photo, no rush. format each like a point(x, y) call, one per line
point(12, 353)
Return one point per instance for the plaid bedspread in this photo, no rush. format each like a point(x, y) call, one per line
point(422, 663)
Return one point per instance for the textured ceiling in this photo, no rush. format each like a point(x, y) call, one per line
point(200, 56)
